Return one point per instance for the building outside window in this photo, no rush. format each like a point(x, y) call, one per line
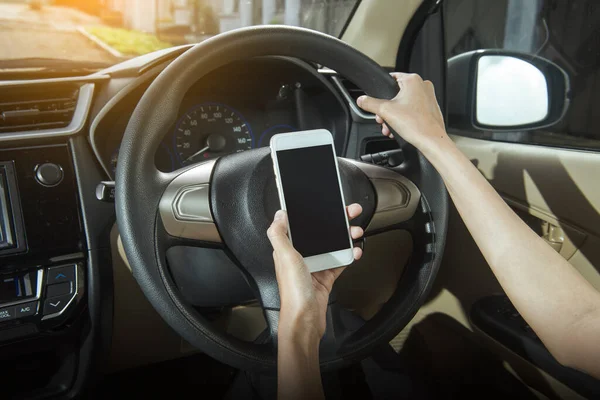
point(195, 19)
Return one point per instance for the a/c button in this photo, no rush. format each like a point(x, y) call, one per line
point(26, 309)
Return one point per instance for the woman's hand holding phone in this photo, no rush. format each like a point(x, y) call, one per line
point(304, 296)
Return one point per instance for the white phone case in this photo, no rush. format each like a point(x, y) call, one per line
point(295, 140)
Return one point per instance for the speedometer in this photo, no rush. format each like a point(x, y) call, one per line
point(210, 130)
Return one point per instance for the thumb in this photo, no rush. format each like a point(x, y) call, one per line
point(371, 104)
point(277, 233)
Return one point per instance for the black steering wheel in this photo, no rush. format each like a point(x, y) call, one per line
point(229, 203)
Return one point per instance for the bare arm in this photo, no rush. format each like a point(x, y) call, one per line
point(559, 304)
point(304, 297)
point(556, 301)
point(298, 367)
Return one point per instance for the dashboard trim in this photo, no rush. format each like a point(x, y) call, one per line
point(355, 109)
point(114, 101)
point(75, 79)
point(82, 109)
point(76, 297)
point(397, 196)
point(195, 220)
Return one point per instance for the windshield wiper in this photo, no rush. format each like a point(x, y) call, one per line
point(52, 64)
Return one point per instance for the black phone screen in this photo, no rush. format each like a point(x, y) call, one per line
point(313, 200)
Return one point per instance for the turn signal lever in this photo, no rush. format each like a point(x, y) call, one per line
point(105, 191)
point(390, 158)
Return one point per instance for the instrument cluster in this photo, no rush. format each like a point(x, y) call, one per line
point(235, 108)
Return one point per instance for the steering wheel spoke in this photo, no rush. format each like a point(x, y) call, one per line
point(185, 208)
point(397, 198)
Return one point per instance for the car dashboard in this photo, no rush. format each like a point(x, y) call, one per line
point(59, 144)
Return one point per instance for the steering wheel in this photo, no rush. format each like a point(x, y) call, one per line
point(229, 203)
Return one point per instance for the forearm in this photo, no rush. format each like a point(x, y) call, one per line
point(298, 370)
point(550, 294)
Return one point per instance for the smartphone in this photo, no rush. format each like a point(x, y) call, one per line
point(310, 190)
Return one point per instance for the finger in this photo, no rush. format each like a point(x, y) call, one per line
point(357, 252)
point(399, 75)
point(402, 77)
point(277, 233)
point(407, 82)
point(353, 211)
point(412, 78)
point(378, 119)
point(385, 130)
point(371, 104)
point(356, 232)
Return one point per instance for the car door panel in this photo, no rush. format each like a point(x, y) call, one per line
point(544, 185)
point(553, 189)
point(547, 176)
point(553, 185)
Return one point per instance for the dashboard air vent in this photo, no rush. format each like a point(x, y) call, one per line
point(34, 109)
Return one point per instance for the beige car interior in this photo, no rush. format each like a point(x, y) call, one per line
point(555, 191)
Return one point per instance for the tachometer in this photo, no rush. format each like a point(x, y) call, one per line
point(210, 130)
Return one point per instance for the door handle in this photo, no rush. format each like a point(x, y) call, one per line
point(563, 238)
point(553, 235)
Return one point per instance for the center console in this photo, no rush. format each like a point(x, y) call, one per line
point(43, 271)
point(38, 299)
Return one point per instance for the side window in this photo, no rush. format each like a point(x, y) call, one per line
point(566, 32)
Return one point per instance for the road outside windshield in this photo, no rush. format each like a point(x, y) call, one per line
point(110, 31)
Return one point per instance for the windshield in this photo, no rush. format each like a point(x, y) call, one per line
point(37, 33)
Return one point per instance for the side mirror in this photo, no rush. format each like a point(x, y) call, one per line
point(497, 90)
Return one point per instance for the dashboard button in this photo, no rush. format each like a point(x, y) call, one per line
point(26, 309)
point(7, 314)
point(61, 274)
point(49, 174)
point(56, 304)
point(58, 289)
